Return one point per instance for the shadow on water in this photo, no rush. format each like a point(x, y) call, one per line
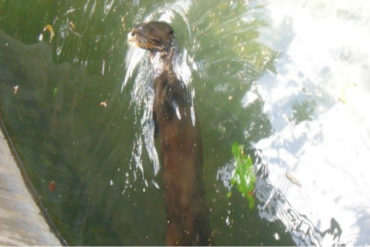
point(61, 101)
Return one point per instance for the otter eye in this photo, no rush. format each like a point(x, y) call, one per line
point(171, 32)
point(132, 33)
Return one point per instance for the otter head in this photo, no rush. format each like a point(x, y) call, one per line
point(153, 36)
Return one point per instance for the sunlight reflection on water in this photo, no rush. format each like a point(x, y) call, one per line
point(324, 60)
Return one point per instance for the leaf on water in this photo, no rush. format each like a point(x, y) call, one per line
point(235, 149)
point(51, 31)
point(243, 177)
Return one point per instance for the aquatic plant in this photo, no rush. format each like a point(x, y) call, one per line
point(243, 177)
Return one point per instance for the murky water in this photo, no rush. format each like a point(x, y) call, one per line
point(288, 79)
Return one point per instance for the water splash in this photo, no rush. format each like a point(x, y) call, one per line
point(168, 12)
point(142, 98)
point(182, 67)
point(90, 6)
point(133, 57)
point(107, 7)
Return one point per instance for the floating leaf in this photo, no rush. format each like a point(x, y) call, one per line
point(243, 176)
point(51, 31)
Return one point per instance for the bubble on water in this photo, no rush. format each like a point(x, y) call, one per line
point(155, 184)
point(227, 221)
point(224, 174)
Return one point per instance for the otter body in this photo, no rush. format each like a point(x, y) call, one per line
point(181, 152)
point(180, 142)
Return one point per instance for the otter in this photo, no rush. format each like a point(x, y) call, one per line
point(180, 140)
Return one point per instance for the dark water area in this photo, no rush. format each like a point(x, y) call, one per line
point(61, 101)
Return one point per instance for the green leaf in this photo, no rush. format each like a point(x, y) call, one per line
point(235, 150)
point(243, 177)
point(251, 201)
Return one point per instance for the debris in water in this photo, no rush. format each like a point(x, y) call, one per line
point(104, 103)
point(52, 185)
point(51, 31)
point(72, 25)
point(293, 179)
point(123, 21)
point(15, 88)
point(103, 67)
point(72, 28)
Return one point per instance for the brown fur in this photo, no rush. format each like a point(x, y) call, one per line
point(180, 144)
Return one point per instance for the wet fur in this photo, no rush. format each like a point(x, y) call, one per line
point(152, 36)
point(180, 143)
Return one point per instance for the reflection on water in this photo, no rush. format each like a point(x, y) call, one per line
point(316, 104)
point(287, 79)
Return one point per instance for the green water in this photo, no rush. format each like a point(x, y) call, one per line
point(63, 133)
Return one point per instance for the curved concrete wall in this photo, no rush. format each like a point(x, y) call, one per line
point(21, 222)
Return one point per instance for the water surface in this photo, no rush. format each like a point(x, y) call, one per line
point(287, 79)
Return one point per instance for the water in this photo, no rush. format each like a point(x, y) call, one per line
point(288, 79)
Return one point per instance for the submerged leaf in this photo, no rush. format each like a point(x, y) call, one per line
point(235, 150)
point(243, 176)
